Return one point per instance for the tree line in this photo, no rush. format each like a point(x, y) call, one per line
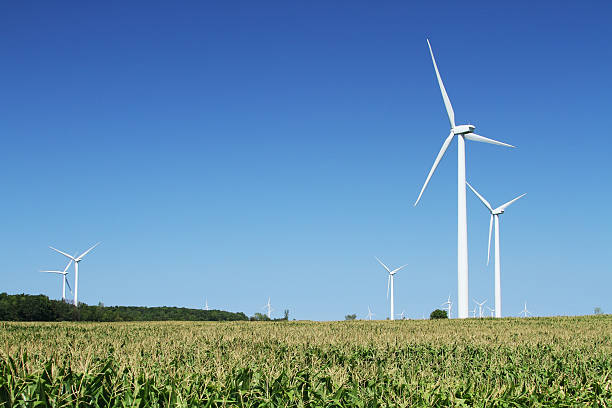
point(27, 308)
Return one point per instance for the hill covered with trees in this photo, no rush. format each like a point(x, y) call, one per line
point(28, 308)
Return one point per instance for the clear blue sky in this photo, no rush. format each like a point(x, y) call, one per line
point(240, 150)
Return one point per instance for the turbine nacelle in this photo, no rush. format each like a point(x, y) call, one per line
point(463, 129)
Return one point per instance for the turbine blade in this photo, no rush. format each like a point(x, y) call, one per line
point(68, 266)
point(489, 247)
point(86, 252)
point(482, 199)
point(436, 162)
point(59, 272)
point(384, 266)
point(63, 253)
point(504, 206)
point(388, 284)
point(401, 267)
point(68, 284)
point(447, 102)
point(477, 138)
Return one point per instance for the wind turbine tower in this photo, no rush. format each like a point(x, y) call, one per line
point(370, 314)
point(495, 213)
point(76, 269)
point(461, 132)
point(206, 305)
point(390, 284)
point(64, 279)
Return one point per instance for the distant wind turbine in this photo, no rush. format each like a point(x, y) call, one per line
point(76, 269)
point(480, 305)
point(268, 306)
point(492, 311)
point(525, 312)
point(390, 283)
point(448, 305)
point(462, 132)
point(64, 279)
point(495, 213)
point(206, 305)
point(370, 314)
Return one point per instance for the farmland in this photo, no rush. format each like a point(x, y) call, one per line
point(565, 361)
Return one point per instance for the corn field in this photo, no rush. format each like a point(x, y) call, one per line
point(565, 361)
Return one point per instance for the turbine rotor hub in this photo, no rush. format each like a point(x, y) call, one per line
point(463, 129)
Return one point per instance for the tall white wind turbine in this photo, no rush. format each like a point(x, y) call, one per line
point(495, 213)
point(462, 132)
point(76, 269)
point(64, 279)
point(370, 313)
point(390, 284)
point(206, 305)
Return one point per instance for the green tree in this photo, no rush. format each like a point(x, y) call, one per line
point(350, 316)
point(260, 317)
point(438, 314)
point(598, 310)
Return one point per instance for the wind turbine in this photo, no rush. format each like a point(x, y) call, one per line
point(76, 269)
point(449, 306)
point(390, 283)
point(370, 313)
point(495, 213)
point(206, 305)
point(462, 132)
point(401, 315)
point(492, 311)
point(474, 312)
point(268, 306)
point(64, 279)
point(480, 305)
point(525, 312)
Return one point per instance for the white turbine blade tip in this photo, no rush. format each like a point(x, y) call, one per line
point(480, 197)
point(506, 205)
point(61, 252)
point(383, 265)
point(478, 138)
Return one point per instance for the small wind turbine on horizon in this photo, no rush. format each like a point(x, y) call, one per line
point(480, 305)
point(401, 315)
point(449, 306)
point(370, 314)
point(206, 305)
point(495, 213)
point(268, 306)
point(525, 312)
point(390, 284)
point(76, 269)
point(64, 279)
point(461, 132)
point(492, 311)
